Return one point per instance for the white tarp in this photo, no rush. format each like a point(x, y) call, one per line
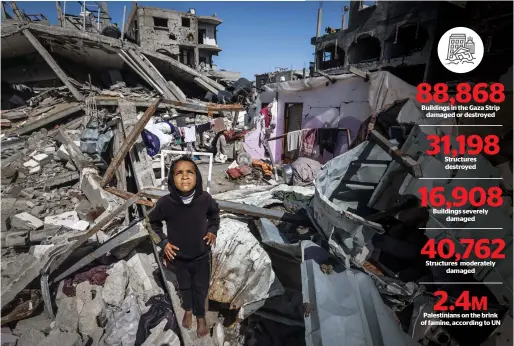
point(241, 271)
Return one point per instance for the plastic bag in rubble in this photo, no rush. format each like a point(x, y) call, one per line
point(122, 324)
point(241, 270)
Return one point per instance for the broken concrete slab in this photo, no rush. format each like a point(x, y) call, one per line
point(35, 170)
point(70, 166)
point(43, 234)
point(115, 285)
point(30, 337)
point(62, 153)
point(63, 179)
point(31, 164)
point(50, 150)
point(41, 159)
point(39, 322)
point(39, 251)
point(90, 311)
point(141, 278)
point(16, 238)
point(26, 221)
point(68, 219)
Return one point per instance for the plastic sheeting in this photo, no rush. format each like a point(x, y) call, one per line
point(241, 272)
point(345, 308)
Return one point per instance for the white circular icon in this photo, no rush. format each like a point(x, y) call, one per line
point(460, 50)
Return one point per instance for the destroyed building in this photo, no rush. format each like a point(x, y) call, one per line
point(280, 75)
point(186, 37)
point(402, 37)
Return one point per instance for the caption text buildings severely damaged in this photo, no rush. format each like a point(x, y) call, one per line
point(315, 173)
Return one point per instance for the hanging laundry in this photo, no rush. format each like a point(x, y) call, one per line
point(327, 139)
point(267, 116)
point(219, 125)
point(308, 141)
point(293, 140)
point(189, 134)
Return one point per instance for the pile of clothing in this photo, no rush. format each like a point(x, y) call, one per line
point(313, 142)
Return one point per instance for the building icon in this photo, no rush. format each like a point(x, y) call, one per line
point(456, 41)
point(470, 45)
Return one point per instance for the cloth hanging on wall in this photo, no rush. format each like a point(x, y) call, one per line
point(308, 141)
point(293, 140)
point(327, 139)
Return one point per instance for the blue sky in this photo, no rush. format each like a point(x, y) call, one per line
point(255, 36)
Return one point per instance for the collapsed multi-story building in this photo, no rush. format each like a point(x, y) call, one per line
point(186, 37)
point(402, 37)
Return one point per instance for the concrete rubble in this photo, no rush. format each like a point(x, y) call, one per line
point(301, 246)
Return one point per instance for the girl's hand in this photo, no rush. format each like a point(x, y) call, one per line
point(211, 239)
point(169, 251)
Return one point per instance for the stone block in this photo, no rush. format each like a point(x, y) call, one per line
point(69, 220)
point(43, 234)
point(30, 164)
point(115, 286)
point(25, 221)
point(63, 154)
point(83, 209)
point(41, 159)
point(39, 251)
point(16, 238)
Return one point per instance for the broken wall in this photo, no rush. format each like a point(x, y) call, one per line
point(381, 35)
point(210, 33)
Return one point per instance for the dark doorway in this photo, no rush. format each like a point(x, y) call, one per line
point(292, 122)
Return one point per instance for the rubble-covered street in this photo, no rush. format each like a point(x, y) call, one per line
point(316, 177)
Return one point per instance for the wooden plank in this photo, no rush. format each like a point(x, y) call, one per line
point(127, 145)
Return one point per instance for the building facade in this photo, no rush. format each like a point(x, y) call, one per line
point(402, 37)
point(184, 36)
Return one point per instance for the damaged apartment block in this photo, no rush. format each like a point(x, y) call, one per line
point(402, 38)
